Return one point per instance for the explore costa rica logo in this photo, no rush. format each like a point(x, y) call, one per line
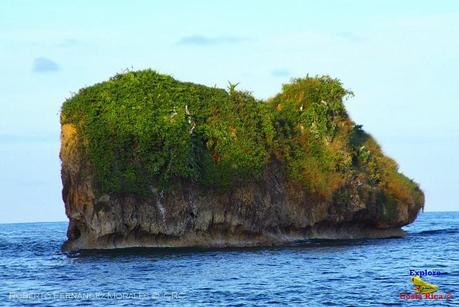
point(424, 290)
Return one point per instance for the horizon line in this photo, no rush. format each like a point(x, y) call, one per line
point(66, 221)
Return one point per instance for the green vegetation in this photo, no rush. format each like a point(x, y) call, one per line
point(310, 123)
point(143, 129)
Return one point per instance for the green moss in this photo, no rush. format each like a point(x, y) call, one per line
point(142, 129)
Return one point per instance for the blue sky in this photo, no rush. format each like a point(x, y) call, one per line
point(401, 58)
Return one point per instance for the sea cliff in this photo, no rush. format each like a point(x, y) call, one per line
point(148, 161)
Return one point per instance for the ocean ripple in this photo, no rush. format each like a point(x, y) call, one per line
point(33, 270)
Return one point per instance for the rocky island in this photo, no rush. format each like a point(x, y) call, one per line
point(148, 161)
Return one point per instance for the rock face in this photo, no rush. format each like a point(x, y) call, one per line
point(273, 209)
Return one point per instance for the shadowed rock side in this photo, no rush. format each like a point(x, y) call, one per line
point(274, 207)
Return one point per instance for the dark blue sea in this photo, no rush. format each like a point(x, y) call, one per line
point(33, 271)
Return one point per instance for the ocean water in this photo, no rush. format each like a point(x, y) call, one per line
point(33, 270)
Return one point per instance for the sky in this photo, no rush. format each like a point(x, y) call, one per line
point(401, 59)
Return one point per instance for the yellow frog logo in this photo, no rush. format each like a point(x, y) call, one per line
point(422, 286)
